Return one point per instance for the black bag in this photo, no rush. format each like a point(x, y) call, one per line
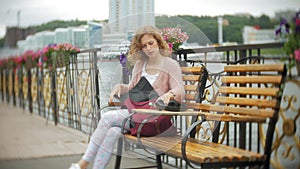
point(142, 91)
point(173, 105)
point(140, 97)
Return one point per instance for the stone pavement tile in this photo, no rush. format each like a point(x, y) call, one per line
point(24, 135)
point(76, 148)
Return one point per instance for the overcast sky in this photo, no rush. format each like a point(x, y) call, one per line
point(35, 12)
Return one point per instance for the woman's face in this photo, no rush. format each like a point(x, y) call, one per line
point(149, 46)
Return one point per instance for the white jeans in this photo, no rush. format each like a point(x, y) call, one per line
point(104, 138)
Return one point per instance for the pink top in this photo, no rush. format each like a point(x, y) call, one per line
point(169, 79)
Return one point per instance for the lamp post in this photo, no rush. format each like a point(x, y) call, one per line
point(18, 18)
point(220, 31)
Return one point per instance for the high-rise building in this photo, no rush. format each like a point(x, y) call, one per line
point(128, 15)
point(62, 35)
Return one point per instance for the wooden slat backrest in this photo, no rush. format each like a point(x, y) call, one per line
point(194, 78)
point(252, 86)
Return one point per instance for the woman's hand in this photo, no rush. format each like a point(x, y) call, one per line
point(167, 97)
point(115, 91)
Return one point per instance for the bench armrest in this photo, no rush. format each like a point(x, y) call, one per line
point(203, 114)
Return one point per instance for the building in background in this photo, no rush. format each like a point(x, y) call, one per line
point(128, 15)
point(84, 37)
point(79, 36)
point(255, 35)
point(286, 14)
point(125, 17)
point(48, 37)
point(94, 34)
point(62, 35)
point(13, 34)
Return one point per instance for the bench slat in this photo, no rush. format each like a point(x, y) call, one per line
point(192, 78)
point(251, 79)
point(259, 112)
point(190, 97)
point(209, 116)
point(249, 91)
point(261, 103)
point(190, 88)
point(197, 70)
point(254, 68)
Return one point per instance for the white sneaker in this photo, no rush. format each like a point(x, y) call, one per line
point(74, 166)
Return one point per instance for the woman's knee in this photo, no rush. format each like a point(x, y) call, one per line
point(114, 132)
point(108, 117)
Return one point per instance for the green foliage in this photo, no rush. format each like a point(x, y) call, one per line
point(58, 24)
point(292, 44)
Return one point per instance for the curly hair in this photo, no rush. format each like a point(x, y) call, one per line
point(135, 52)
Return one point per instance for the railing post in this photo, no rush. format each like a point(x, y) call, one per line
point(29, 91)
point(69, 90)
point(2, 94)
point(72, 100)
point(242, 126)
point(6, 85)
point(39, 94)
point(97, 94)
point(54, 99)
point(13, 87)
point(22, 98)
point(76, 104)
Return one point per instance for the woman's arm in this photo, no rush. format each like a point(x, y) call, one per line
point(175, 82)
point(120, 89)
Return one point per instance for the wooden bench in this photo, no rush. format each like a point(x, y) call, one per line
point(194, 83)
point(248, 94)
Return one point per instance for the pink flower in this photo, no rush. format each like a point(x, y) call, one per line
point(45, 58)
point(174, 36)
point(45, 50)
point(297, 55)
point(171, 47)
point(39, 64)
point(19, 60)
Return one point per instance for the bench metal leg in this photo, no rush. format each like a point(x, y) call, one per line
point(119, 153)
point(158, 161)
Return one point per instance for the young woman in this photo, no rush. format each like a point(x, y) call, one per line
point(151, 56)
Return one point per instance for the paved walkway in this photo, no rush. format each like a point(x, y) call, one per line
point(27, 141)
point(26, 136)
